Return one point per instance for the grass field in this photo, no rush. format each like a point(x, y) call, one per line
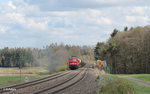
point(120, 85)
point(10, 80)
point(10, 76)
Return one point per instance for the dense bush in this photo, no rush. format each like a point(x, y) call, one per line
point(117, 87)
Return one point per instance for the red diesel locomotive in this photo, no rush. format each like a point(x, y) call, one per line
point(75, 63)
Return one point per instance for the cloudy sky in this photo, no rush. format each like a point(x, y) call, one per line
point(36, 23)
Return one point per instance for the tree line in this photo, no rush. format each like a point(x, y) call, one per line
point(51, 56)
point(15, 57)
point(126, 51)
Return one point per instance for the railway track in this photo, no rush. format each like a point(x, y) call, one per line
point(34, 82)
point(76, 78)
point(48, 85)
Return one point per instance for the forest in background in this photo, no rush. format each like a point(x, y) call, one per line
point(51, 56)
point(127, 51)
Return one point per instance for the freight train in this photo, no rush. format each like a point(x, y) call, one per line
point(75, 63)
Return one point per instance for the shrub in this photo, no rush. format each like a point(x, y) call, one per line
point(117, 87)
point(61, 68)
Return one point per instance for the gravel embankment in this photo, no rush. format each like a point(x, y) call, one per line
point(89, 85)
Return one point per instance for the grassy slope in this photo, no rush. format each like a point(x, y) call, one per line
point(138, 89)
point(117, 86)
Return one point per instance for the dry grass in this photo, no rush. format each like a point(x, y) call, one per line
point(23, 71)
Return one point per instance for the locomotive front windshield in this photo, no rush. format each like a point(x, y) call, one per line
point(73, 59)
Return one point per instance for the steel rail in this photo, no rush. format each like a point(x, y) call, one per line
point(34, 82)
point(62, 83)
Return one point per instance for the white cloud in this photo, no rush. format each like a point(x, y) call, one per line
point(31, 24)
point(137, 19)
point(138, 10)
point(130, 18)
point(78, 21)
point(104, 20)
point(63, 5)
point(3, 29)
point(11, 5)
point(16, 18)
point(63, 33)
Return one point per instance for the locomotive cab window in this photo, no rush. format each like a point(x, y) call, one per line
point(74, 60)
